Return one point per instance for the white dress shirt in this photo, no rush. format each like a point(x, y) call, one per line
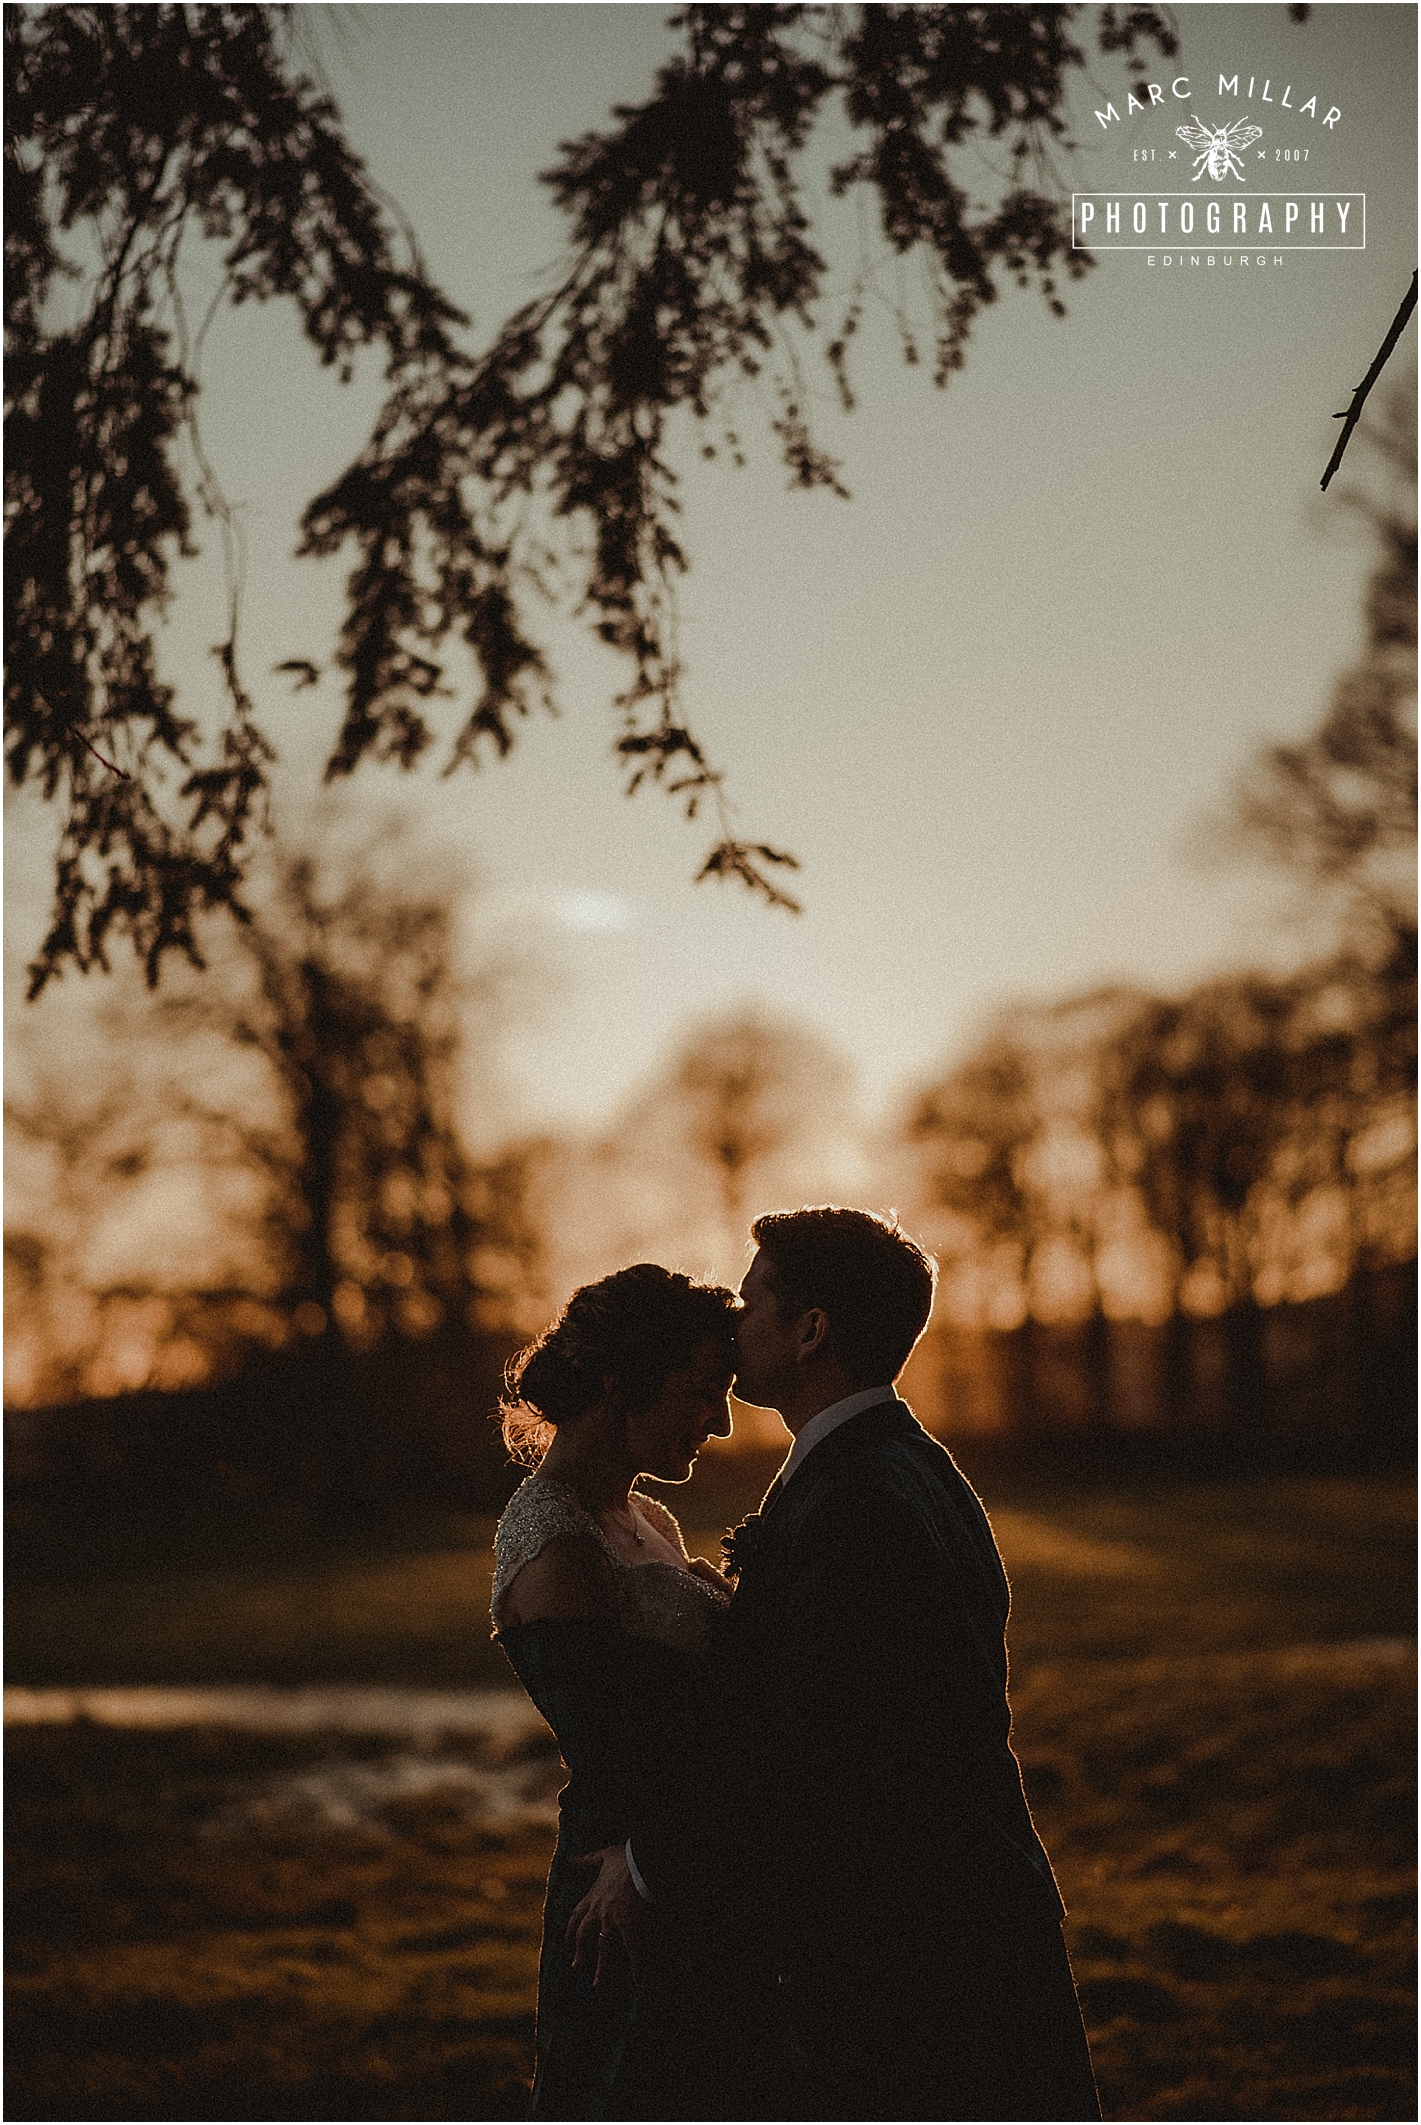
point(805, 1440)
point(818, 1428)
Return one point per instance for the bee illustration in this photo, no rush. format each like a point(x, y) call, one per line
point(1219, 152)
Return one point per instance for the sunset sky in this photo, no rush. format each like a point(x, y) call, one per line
point(988, 700)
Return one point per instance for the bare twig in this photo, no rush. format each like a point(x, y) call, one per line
point(121, 772)
point(1359, 396)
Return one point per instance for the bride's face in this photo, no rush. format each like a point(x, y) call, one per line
point(693, 1406)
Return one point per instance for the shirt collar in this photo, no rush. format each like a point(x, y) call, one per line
point(818, 1428)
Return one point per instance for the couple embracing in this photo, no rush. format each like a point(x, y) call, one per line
point(796, 1875)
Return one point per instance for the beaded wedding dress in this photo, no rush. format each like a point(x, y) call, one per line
point(621, 1699)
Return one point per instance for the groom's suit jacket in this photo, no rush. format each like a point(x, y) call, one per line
point(858, 1814)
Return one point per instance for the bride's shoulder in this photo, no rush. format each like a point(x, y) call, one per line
point(543, 1520)
point(661, 1518)
point(539, 1510)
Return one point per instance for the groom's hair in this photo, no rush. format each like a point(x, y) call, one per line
point(874, 1283)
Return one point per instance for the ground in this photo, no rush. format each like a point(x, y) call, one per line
point(1214, 1706)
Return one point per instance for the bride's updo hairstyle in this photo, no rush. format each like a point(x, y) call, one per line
point(633, 1328)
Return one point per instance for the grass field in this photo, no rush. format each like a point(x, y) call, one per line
point(1214, 1702)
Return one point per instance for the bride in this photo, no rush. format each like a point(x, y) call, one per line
point(607, 1621)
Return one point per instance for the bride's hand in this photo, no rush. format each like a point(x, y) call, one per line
point(704, 1569)
point(610, 1911)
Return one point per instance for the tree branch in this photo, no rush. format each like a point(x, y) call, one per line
point(1359, 396)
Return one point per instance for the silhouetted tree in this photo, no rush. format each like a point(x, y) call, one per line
point(975, 1129)
point(1268, 1125)
point(749, 1111)
point(748, 1095)
point(389, 1237)
point(1214, 1144)
point(134, 130)
point(1014, 1179)
point(94, 1151)
point(357, 1019)
point(1339, 808)
point(312, 1076)
point(1351, 1168)
point(1197, 1102)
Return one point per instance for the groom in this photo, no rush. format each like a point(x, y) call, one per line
point(859, 1819)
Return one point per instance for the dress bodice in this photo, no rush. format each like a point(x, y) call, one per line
point(620, 1696)
point(626, 1696)
point(665, 1602)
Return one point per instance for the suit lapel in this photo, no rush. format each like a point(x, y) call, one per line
point(783, 1502)
point(886, 1420)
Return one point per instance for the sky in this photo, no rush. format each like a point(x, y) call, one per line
point(988, 700)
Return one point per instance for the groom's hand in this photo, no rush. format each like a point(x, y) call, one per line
point(610, 1911)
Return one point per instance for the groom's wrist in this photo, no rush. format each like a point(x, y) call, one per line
point(635, 1872)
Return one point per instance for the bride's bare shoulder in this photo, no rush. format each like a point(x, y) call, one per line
point(661, 1518)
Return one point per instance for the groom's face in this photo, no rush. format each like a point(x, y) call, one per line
point(766, 1346)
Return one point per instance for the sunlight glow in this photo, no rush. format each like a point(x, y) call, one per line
point(593, 912)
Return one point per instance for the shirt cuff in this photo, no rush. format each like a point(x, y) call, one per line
point(637, 1883)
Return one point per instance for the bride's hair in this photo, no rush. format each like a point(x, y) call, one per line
point(632, 1328)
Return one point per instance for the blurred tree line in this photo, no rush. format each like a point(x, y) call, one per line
point(1232, 1170)
point(1182, 1213)
point(316, 1307)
